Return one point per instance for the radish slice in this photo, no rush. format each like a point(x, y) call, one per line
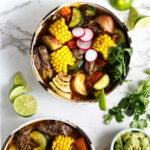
point(88, 35)
point(91, 55)
point(84, 45)
point(78, 32)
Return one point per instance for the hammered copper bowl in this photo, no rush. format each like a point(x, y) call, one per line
point(86, 138)
point(34, 39)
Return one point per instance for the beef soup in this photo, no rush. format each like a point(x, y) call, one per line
point(49, 135)
point(70, 52)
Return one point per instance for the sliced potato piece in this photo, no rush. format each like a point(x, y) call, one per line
point(59, 92)
point(78, 85)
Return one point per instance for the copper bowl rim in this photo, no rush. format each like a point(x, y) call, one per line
point(33, 41)
point(4, 147)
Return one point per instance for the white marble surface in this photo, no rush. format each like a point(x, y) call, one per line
point(18, 20)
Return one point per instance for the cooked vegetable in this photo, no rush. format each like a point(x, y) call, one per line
point(101, 62)
point(62, 142)
point(77, 65)
point(80, 143)
point(13, 147)
point(106, 22)
point(51, 42)
point(60, 30)
point(102, 100)
point(72, 44)
point(90, 11)
point(88, 35)
point(64, 78)
point(61, 58)
point(84, 45)
point(78, 85)
point(121, 35)
point(78, 32)
point(77, 18)
point(102, 44)
point(102, 83)
point(39, 138)
point(65, 11)
point(59, 92)
point(135, 104)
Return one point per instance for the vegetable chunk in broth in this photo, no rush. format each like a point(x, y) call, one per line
point(77, 47)
point(49, 135)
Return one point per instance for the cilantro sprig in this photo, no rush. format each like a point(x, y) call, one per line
point(119, 60)
point(135, 104)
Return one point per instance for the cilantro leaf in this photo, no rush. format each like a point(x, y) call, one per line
point(108, 118)
point(141, 124)
point(147, 71)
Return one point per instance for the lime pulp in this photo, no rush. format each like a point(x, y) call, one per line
point(143, 22)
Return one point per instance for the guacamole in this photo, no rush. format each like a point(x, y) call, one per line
point(132, 140)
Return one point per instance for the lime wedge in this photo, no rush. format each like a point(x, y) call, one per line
point(102, 100)
point(25, 105)
point(19, 80)
point(14, 92)
point(143, 22)
point(133, 16)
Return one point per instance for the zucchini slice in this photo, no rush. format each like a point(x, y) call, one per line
point(77, 18)
point(90, 11)
point(102, 83)
point(39, 138)
point(78, 64)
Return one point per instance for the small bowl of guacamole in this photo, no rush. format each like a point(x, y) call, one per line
point(131, 139)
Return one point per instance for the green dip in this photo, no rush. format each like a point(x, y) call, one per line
point(132, 140)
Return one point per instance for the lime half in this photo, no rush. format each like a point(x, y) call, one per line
point(143, 22)
point(102, 100)
point(133, 16)
point(14, 92)
point(25, 105)
point(19, 80)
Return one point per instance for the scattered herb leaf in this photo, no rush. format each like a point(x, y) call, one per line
point(148, 116)
point(147, 71)
point(141, 124)
point(108, 118)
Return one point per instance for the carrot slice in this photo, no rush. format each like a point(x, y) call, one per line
point(80, 143)
point(101, 62)
point(72, 44)
point(65, 11)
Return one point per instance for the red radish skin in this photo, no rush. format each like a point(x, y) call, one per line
point(91, 55)
point(88, 35)
point(78, 32)
point(84, 45)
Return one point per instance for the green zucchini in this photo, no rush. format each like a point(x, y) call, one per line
point(39, 138)
point(102, 83)
point(90, 11)
point(78, 64)
point(77, 18)
point(121, 35)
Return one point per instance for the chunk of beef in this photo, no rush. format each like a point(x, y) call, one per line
point(47, 73)
point(91, 67)
point(22, 139)
point(43, 52)
point(116, 38)
point(37, 60)
point(78, 53)
point(54, 128)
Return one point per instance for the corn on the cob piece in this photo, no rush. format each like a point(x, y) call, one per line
point(102, 44)
point(62, 142)
point(60, 30)
point(61, 58)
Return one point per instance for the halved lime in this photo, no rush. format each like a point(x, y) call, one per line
point(102, 100)
point(143, 22)
point(19, 80)
point(14, 92)
point(25, 105)
point(133, 16)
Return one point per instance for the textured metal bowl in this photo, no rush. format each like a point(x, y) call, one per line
point(91, 146)
point(33, 42)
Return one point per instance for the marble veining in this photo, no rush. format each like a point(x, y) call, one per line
point(18, 20)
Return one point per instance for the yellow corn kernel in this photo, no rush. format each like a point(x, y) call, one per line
point(62, 142)
point(60, 30)
point(61, 58)
point(102, 44)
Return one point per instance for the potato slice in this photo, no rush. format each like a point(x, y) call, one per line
point(78, 85)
